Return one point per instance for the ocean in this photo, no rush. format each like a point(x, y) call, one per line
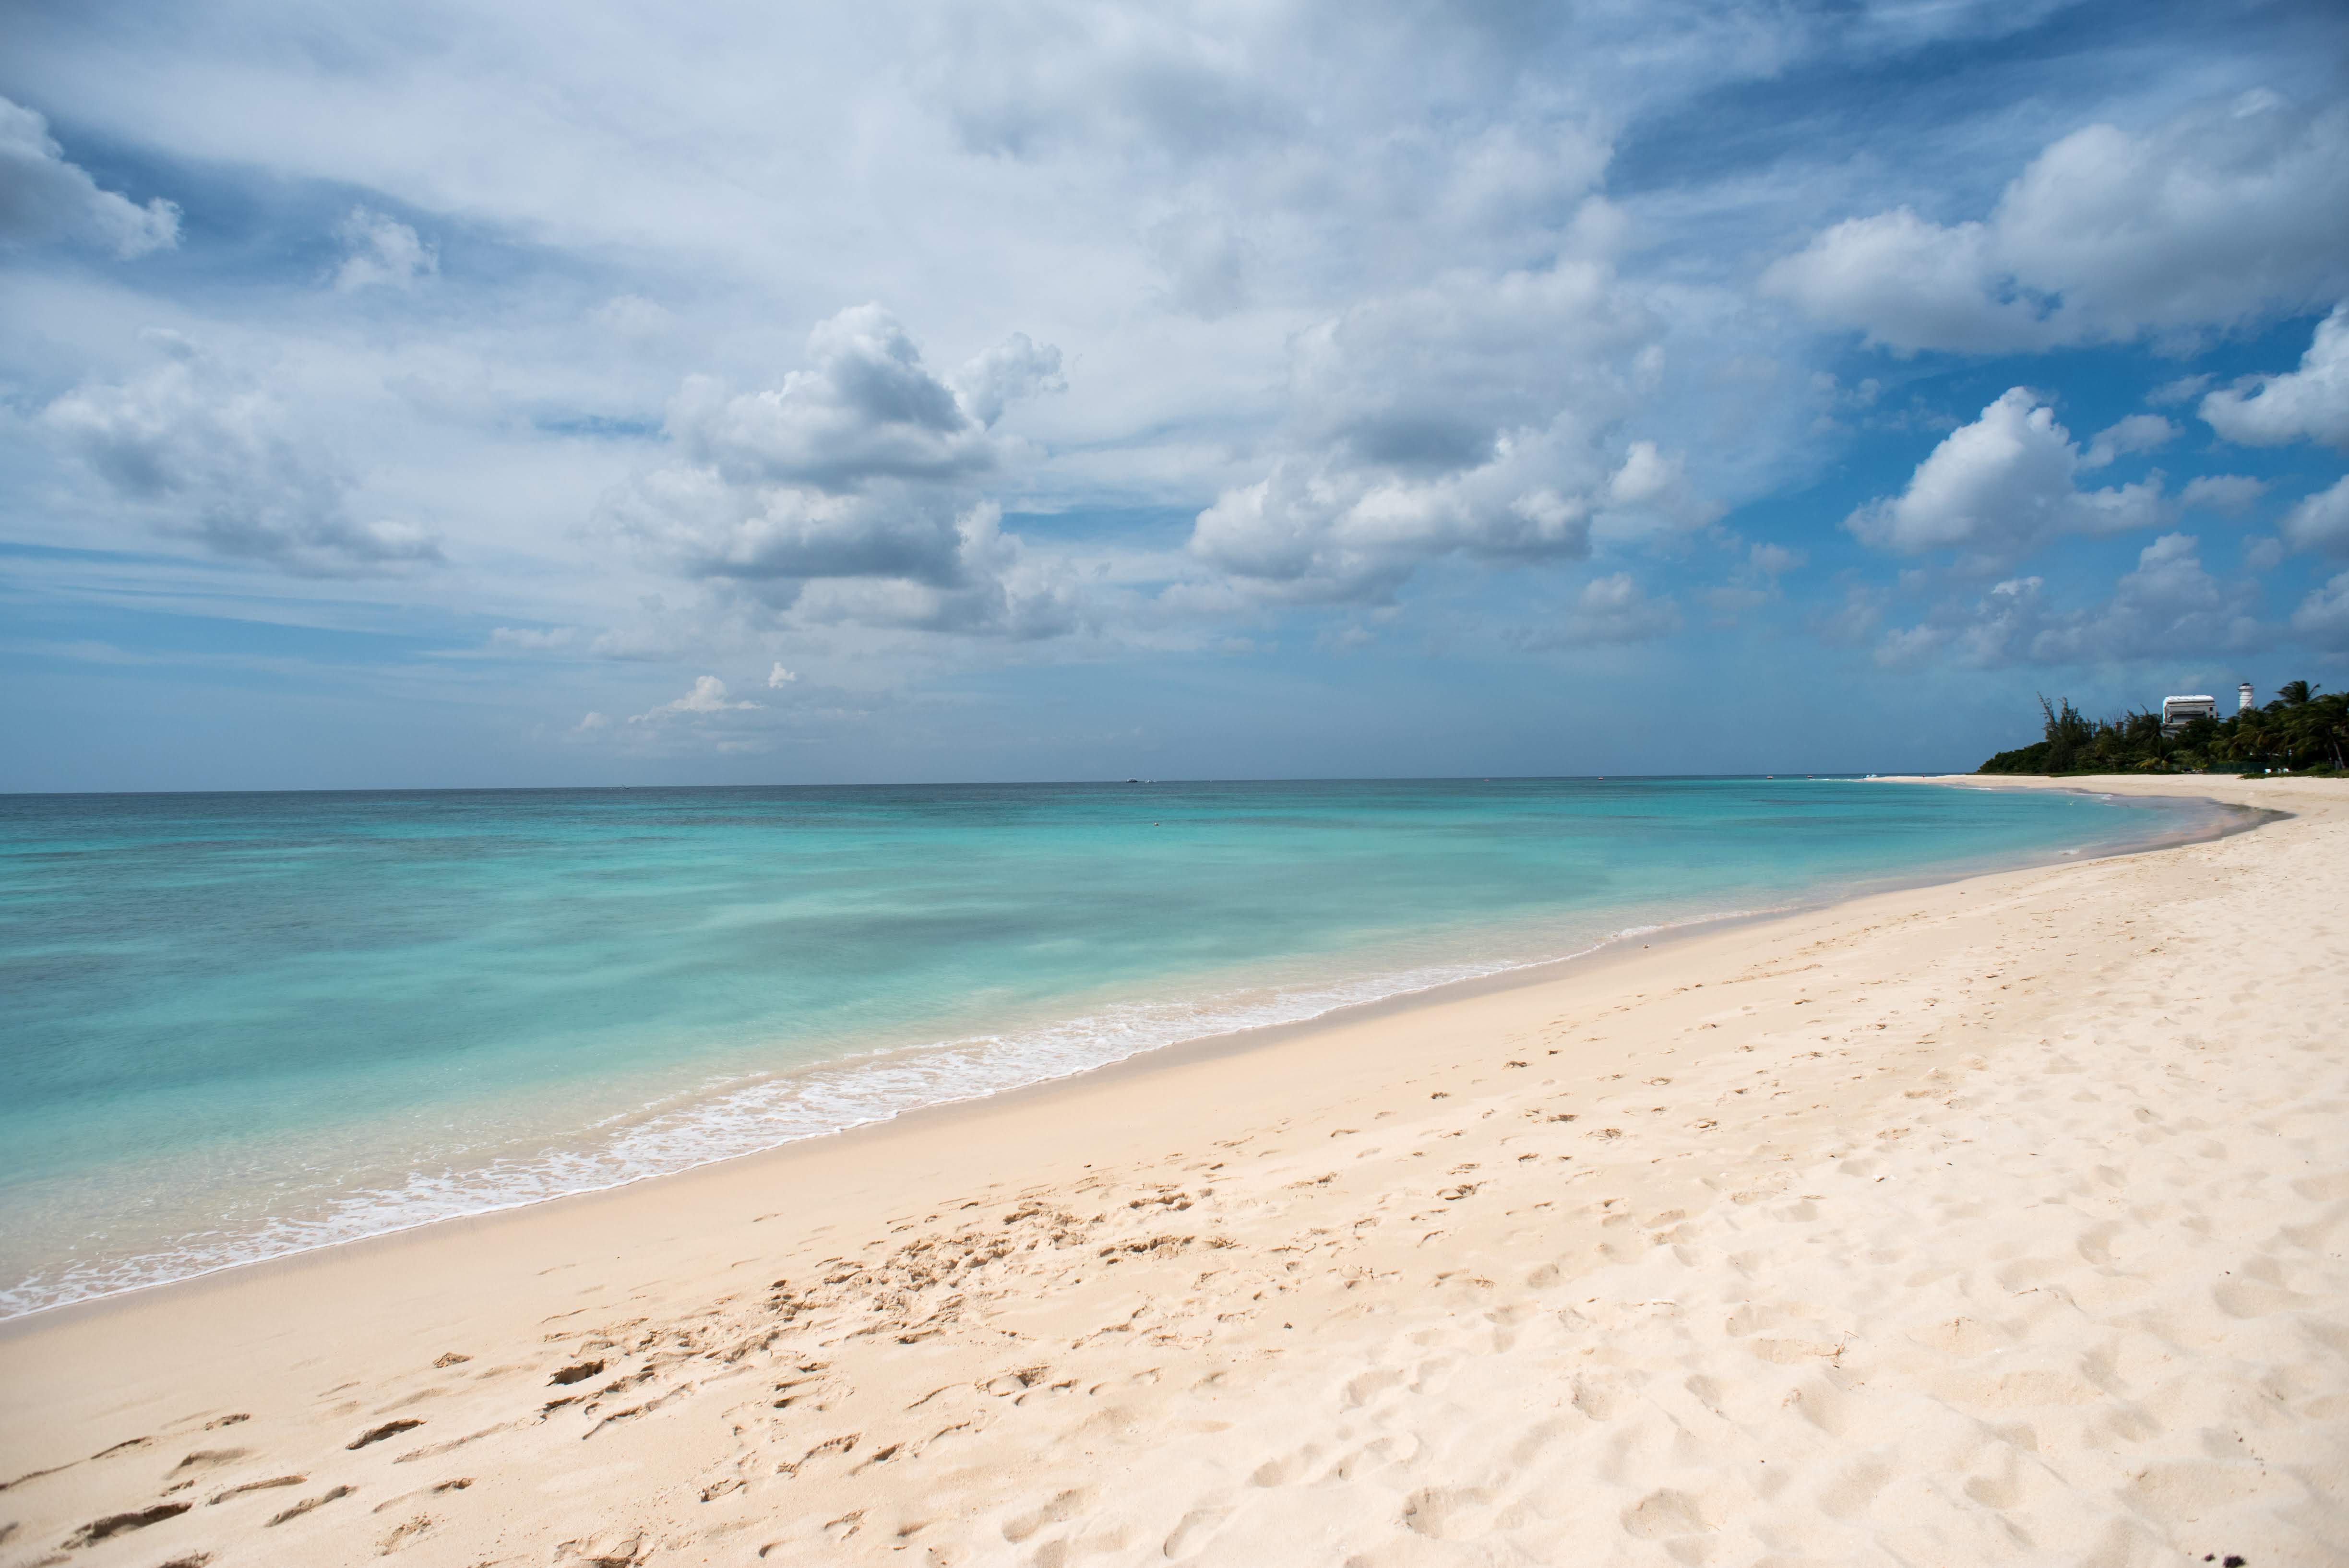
point(237, 1026)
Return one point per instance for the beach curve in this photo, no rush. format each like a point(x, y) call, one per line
point(1990, 1222)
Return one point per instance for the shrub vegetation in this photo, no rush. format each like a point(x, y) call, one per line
point(2302, 730)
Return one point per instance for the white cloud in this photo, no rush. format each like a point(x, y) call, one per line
point(2324, 616)
point(2320, 521)
point(44, 197)
point(1003, 589)
point(1421, 380)
point(1335, 533)
point(532, 639)
point(1012, 371)
point(2138, 433)
point(780, 676)
point(1475, 417)
point(1609, 609)
point(2167, 606)
point(859, 467)
point(2184, 389)
point(868, 411)
point(2230, 494)
point(207, 453)
point(1994, 631)
point(707, 697)
point(381, 252)
point(2003, 487)
point(2309, 403)
point(2217, 218)
point(1374, 279)
point(635, 318)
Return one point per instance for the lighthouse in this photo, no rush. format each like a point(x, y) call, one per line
point(2243, 698)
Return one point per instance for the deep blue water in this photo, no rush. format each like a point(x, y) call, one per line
point(238, 1024)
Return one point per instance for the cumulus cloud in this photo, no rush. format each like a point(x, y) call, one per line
point(381, 252)
point(1328, 533)
point(1003, 589)
point(780, 676)
point(2138, 433)
point(854, 474)
point(1015, 370)
point(44, 197)
point(1257, 123)
point(1990, 631)
point(1333, 282)
point(707, 697)
point(2230, 494)
point(1609, 609)
point(1474, 416)
point(2311, 404)
point(2324, 616)
point(1422, 380)
point(2182, 389)
point(868, 411)
point(2003, 487)
point(2220, 218)
point(2168, 605)
point(209, 454)
point(2320, 521)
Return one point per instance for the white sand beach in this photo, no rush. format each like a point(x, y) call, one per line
point(2001, 1221)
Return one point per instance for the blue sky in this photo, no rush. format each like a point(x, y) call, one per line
point(598, 393)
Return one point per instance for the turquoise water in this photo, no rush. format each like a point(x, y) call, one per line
point(236, 1025)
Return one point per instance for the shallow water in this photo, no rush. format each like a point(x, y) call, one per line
point(236, 1025)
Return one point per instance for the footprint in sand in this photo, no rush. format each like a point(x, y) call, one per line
point(1286, 1468)
point(276, 1480)
point(378, 1434)
point(115, 1524)
point(1443, 1513)
point(1193, 1531)
point(1665, 1513)
point(1066, 1506)
point(305, 1505)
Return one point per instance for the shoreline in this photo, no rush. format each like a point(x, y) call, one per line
point(1224, 1043)
point(1992, 1221)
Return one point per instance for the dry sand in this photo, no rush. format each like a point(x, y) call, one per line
point(2000, 1221)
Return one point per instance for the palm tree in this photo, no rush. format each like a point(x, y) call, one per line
point(2318, 725)
point(2302, 727)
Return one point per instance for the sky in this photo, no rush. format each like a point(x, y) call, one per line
point(431, 394)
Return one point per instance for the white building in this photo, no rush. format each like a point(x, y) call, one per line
point(2177, 712)
point(2243, 698)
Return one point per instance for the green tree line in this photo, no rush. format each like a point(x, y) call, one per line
point(2302, 730)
